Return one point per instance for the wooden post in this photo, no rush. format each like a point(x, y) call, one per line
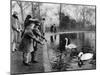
point(60, 57)
point(60, 16)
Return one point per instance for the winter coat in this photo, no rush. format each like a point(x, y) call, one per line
point(14, 29)
point(26, 44)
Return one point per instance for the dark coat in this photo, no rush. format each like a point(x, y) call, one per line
point(53, 28)
point(26, 44)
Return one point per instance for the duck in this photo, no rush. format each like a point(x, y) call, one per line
point(69, 46)
point(84, 57)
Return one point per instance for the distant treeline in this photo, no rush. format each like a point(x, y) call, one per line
point(68, 24)
point(71, 24)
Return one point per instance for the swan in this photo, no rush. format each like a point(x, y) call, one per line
point(83, 57)
point(69, 46)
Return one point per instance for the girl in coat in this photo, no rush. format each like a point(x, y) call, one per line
point(26, 45)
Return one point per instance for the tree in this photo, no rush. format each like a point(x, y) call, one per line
point(21, 8)
point(83, 11)
point(87, 14)
point(64, 22)
point(35, 10)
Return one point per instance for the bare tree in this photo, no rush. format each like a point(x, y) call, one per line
point(21, 8)
point(32, 9)
point(86, 14)
point(35, 7)
point(83, 11)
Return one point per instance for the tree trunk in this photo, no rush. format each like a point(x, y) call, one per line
point(33, 10)
point(22, 12)
point(21, 8)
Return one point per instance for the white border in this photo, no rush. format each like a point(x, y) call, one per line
point(5, 37)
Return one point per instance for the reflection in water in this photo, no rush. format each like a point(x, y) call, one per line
point(84, 41)
point(53, 38)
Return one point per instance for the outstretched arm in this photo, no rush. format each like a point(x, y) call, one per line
point(36, 39)
point(37, 32)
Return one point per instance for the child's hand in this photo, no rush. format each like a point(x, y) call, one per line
point(42, 43)
point(45, 40)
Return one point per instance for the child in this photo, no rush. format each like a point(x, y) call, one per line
point(38, 35)
point(26, 45)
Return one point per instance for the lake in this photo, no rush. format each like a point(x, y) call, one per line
point(60, 58)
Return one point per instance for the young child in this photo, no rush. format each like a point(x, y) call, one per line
point(38, 35)
point(26, 45)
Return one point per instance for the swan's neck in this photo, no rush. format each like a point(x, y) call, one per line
point(80, 54)
point(66, 43)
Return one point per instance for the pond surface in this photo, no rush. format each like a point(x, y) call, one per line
point(58, 55)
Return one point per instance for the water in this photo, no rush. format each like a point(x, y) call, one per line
point(58, 55)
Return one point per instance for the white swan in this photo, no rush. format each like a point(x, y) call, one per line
point(70, 46)
point(82, 57)
point(85, 56)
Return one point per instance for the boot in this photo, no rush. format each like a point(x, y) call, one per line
point(26, 64)
point(33, 57)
